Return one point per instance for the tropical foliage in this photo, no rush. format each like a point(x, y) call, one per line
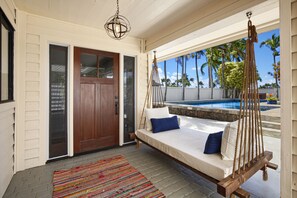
point(267, 86)
point(224, 65)
point(273, 44)
point(186, 81)
point(271, 97)
point(212, 63)
point(233, 75)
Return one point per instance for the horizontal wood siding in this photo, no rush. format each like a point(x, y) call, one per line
point(7, 145)
point(294, 95)
point(7, 121)
point(32, 103)
point(141, 85)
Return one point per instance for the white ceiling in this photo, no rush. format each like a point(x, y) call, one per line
point(147, 17)
point(170, 26)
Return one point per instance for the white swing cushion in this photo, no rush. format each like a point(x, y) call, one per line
point(229, 141)
point(155, 113)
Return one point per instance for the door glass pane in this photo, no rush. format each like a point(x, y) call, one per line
point(88, 65)
point(58, 101)
point(129, 93)
point(105, 67)
point(4, 63)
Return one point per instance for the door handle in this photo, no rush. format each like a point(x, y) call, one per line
point(116, 105)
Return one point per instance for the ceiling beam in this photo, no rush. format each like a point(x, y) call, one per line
point(212, 13)
point(226, 38)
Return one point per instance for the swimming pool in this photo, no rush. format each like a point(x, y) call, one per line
point(220, 104)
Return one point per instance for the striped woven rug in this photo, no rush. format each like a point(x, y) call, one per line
point(112, 177)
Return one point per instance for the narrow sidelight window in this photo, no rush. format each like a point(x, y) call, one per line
point(6, 57)
point(58, 101)
point(129, 97)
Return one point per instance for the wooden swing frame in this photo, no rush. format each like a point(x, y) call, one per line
point(228, 186)
point(249, 140)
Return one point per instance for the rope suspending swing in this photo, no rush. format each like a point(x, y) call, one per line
point(249, 141)
point(154, 96)
point(249, 147)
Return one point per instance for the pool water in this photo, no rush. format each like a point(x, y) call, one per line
point(222, 104)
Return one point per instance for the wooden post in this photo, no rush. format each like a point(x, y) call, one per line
point(137, 144)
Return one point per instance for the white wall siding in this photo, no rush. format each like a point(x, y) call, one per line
point(294, 96)
point(288, 34)
point(7, 144)
point(141, 84)
point(35, 35)
point(7, 121)
point(32, 103)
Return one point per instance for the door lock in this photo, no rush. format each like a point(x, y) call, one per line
point(116, 105)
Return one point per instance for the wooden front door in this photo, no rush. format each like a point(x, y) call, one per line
point(96, 101)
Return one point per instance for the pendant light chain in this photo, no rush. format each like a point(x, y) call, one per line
point(117, 26)
point(118, 8)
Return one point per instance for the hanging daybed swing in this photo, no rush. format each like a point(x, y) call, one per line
point(249, 156)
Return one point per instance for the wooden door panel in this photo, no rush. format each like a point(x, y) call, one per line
point(107, 113)
point(87, 108)
point(96, 124)
point(94, 144)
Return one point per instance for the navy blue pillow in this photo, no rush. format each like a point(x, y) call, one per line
point(213, 143)
point(164, 124)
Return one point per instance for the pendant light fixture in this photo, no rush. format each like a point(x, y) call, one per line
point(117, 26)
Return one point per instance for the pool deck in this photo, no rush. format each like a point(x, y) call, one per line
point(272, 112)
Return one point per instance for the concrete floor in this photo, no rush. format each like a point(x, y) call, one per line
point(171, 178)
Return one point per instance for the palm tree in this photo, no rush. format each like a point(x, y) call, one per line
point(223, 68)
point(273, 44)
point(213, 62)
point(168, 81)
point(200, 84)
point(197, 55)
point(236, 50)
point(165, 73)
point(178, 61)
point(184, 74)
point(187, 82)
point(183, 77)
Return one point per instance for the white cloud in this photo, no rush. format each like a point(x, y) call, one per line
point(161, 74)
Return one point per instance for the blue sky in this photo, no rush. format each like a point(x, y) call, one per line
point(264, 61)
